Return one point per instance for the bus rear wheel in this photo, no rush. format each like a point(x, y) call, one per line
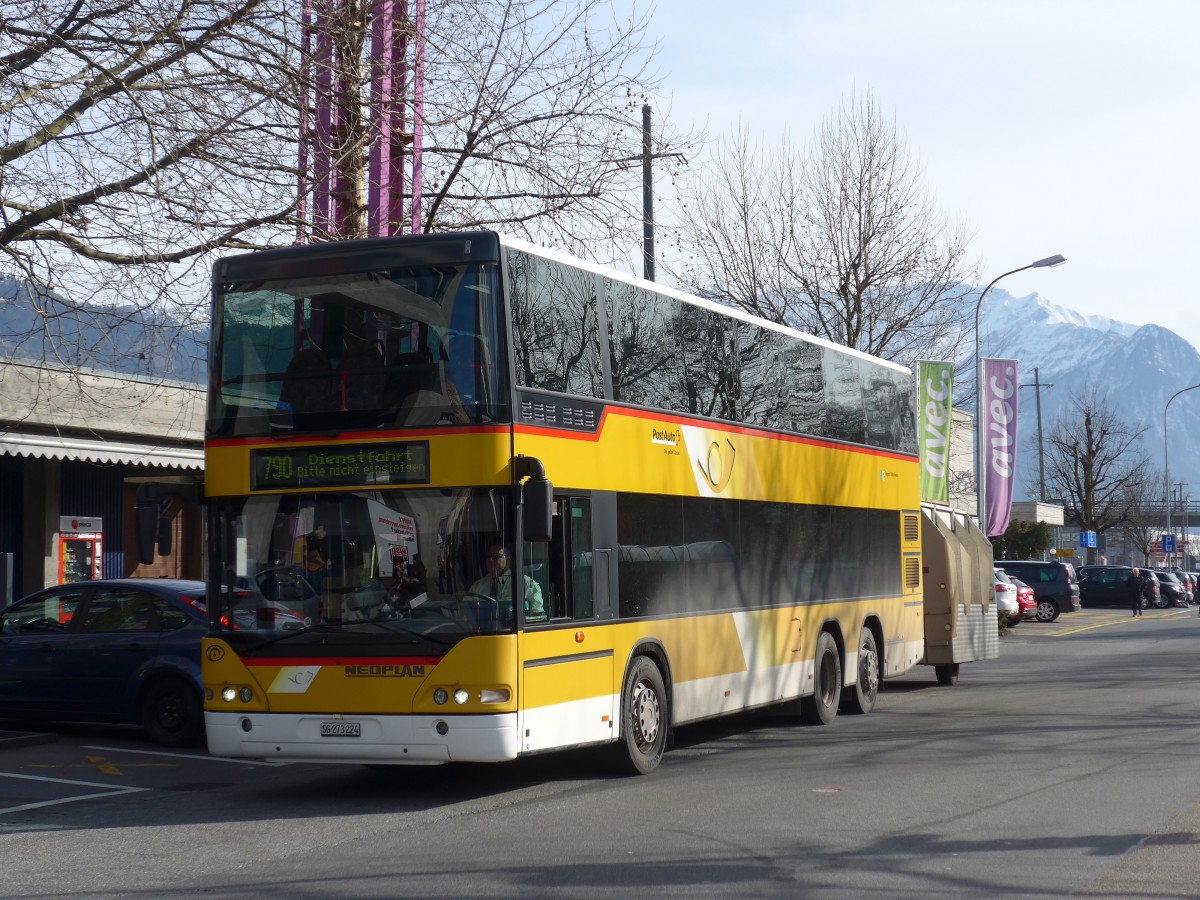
point(947, 674)
point(866, 689)
point(822, 706)
point(644, 719)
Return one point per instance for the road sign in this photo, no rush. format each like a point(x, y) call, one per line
point(1087, 539)
point(1065, 551)
point(1168, 543)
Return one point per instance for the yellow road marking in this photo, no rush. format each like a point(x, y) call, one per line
point(1110, 620)
point(101, 763)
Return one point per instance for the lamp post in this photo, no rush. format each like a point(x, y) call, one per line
point(1166, 464)
point(980, 438)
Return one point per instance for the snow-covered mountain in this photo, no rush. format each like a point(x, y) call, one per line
point(1137, 367)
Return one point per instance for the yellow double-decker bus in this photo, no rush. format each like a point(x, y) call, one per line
point(471, 499)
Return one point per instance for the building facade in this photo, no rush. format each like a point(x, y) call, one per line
point(74, 446)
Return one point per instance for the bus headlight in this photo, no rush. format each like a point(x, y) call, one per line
point(229, 694)
point(490, 695)
point(461, 696)
point(440, 696)
point(246, 694)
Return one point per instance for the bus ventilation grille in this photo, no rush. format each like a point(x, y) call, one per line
point(912, 572)
point(553, 414)
point(911, 532)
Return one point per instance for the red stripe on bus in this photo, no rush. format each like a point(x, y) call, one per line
point(338, 437)
point(722, 427)
point(351, 661)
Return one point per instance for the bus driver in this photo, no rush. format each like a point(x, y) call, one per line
point(497, 583)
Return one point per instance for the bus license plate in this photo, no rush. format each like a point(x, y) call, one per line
point(341, 729)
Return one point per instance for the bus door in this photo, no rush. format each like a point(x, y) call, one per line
point(567, 683)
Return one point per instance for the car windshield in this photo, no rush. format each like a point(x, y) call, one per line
point(416, 567)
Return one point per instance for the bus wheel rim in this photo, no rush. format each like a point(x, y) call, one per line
point(646, 714)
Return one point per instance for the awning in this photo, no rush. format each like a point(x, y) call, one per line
point(50, 446)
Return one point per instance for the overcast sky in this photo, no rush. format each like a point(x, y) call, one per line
point(1048, 126)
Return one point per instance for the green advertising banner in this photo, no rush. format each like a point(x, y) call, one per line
point(934, 383)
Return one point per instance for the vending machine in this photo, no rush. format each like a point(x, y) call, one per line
point(80, 549)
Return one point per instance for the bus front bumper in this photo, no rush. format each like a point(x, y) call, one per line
point(401, 740)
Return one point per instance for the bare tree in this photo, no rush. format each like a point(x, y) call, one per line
point(842, 241)
point(1095, 461)
point(136, 138)
point(1143, 516)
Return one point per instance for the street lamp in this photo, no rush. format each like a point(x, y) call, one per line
point(980, 438)
point(1166, 465)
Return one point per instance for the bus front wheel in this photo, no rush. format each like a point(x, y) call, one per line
point(822, 706)
point(644, 719)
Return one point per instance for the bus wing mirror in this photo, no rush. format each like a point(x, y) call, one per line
point(537, 500)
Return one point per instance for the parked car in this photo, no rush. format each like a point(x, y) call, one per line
point(1152, 590)
point(1189, 584)
point(1026, 599)
point(121, 651)
point(1173, 591)
point(1054, 584)
point(1107, 586)
point(1006, 597)
point(1195, 586)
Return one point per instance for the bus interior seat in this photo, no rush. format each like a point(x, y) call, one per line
point(308, 384)
point(411, 372)
point(362, 367)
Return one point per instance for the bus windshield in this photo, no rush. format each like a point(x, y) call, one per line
point(367, 568)
point(407, 346)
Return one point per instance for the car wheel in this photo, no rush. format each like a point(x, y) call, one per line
point(822, 706)
point(172, 713)
point(1162, 602)
point(1047, 610)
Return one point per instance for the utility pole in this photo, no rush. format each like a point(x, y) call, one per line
point(646, 158)
point(1037, 386)
point(647, 197)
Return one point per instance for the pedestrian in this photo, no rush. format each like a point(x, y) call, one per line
point(1135, 585)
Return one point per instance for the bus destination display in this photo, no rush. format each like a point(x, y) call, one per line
point(405, 462)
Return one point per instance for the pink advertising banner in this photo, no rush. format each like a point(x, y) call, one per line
point(998, 440)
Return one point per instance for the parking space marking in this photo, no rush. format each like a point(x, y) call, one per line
point(201, 756)
point(110, 790)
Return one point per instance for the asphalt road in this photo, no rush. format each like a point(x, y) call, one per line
point(1065, 768)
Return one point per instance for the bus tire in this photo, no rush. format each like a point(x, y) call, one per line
point(866, 688)
point(821, 708)
point(644, 719)
point(947, 674)
point(172, 713)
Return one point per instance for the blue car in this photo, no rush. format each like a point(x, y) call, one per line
point(123, 651)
